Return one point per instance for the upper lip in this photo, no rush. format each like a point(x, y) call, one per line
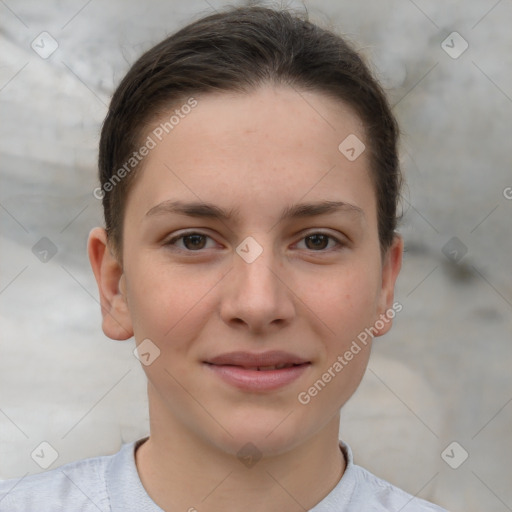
point(252, 360)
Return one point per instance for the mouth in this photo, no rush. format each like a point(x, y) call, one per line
point(266, 371)
point(271, 360)
point(267, 368)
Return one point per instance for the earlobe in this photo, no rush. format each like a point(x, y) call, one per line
point(390, 269)
point(110, 279)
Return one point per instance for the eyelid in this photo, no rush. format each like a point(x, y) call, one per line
point(341, 240)
point(176, 237)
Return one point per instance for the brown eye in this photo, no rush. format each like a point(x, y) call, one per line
point(189, 241)
point(318, 241)
point(194, 241)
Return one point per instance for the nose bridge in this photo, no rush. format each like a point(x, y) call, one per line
point(257, 296)
point(254, 266)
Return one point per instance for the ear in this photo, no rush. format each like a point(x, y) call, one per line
point(117, 323)
point(391, 266)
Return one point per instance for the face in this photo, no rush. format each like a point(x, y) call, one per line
point(281, 267)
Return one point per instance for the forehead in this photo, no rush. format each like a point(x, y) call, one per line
point(273, 145)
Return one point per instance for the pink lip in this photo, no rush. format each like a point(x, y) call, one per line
point(240, 369)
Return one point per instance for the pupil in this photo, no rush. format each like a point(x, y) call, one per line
point(195, 238)
point(321, 238)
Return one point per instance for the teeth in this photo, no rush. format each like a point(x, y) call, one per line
point(274, 367)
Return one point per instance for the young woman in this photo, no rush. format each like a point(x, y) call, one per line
point(250, 179)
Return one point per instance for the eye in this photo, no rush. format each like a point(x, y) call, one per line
point(195, 241)
point(192, 241)
point(318, 242)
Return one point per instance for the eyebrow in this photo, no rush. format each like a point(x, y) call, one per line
point(200, 209)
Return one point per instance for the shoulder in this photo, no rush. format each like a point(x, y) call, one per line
point(359, 490)
point(388, 497)
point(79, 485)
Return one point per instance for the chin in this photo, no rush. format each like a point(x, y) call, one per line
point(267, 435)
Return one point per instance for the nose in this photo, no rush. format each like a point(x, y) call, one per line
point(256, 296)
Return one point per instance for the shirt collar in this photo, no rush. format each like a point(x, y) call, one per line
point(125, 488)
point(341, 496)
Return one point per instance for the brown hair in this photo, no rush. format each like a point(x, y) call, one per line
point(240, 49)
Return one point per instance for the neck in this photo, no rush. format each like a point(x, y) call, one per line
point(181, 471)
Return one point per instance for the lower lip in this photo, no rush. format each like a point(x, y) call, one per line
point(254, 380)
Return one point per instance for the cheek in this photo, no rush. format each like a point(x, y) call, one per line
point(167, 302)
point(346, 303)
point(346, 299)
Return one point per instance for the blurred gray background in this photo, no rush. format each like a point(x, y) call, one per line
point(434, 412)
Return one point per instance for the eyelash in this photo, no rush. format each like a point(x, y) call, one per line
point(173, 240)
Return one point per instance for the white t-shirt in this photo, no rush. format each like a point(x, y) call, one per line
point(111, 483)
